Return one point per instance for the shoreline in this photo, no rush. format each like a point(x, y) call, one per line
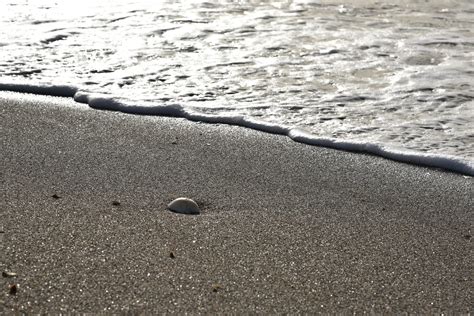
point(284, 228)
point(101, 102)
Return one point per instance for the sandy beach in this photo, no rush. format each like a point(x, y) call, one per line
point(285, 227)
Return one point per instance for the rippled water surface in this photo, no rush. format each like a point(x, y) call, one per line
point(399, 74)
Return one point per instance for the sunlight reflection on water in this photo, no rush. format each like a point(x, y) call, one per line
point(399, 74)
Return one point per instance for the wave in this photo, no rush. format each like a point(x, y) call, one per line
point(107, 102)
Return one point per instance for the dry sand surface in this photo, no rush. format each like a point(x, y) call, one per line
point(284, 227)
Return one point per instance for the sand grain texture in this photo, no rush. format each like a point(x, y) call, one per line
point(284, 227)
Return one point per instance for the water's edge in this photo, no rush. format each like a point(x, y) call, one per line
point(107, 102)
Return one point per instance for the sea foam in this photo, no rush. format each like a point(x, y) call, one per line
point(107, 102)
point(395, 74)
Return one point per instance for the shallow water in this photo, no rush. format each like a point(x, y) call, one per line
point(397, 74)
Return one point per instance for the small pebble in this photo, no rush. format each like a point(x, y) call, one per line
point(115, 203)
point(55, 196)
point(184, 206)
point(172, 256)
point(7, 274)
point(216, 288)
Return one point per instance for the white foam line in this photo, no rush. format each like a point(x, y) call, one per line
point(446, 162)
point(51, 90)
point(106, 102)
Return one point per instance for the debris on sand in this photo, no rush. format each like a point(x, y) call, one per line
point(8, 274)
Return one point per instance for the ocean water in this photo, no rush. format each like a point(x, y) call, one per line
point(394, 78)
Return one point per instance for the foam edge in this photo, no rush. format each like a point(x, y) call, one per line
point(107, 102)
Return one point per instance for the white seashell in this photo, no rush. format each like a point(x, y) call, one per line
point(184, 206)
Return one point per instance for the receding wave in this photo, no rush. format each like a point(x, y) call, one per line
point(398, 74)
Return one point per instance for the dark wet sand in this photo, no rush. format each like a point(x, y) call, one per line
point(285, 227)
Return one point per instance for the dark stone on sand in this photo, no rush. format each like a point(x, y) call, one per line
point(12, 289)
